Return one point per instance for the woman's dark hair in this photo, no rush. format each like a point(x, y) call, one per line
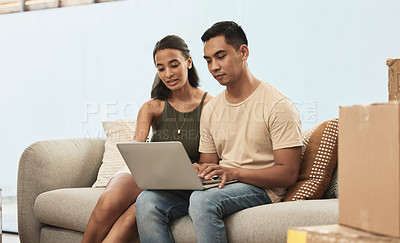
point(234, 34)
point(159, 90)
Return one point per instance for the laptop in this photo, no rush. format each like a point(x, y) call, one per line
point(163, 166)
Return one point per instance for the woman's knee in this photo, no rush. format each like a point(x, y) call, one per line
point(107, 205)
point(124, 183)
point(117, 196)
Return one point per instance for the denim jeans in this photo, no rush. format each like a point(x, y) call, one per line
point(156, 209)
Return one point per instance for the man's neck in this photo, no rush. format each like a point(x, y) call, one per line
point(242, 88)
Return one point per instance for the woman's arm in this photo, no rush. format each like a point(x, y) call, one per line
point(149, 115)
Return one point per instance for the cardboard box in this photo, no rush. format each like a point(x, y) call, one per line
point(394, 78)
point(334, 233)
point(369, 167)
point(1, 218)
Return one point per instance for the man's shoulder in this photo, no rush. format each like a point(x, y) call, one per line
point(271, 91)
point(274, 100)
point(269, 96)
point(216, 100)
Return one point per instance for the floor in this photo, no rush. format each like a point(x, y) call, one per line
point(10, 238)
point(9, 218)
point(9, 213)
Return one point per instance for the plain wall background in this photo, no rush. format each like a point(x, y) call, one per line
point(63, 71)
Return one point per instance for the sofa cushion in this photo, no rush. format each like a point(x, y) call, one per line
point(318, 161)
point(116, 132)
point(49, 234)
point(266, 223)
point(68, 208)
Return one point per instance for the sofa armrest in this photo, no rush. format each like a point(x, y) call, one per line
point(49, 165)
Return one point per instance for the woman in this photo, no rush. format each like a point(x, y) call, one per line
point(174, 115)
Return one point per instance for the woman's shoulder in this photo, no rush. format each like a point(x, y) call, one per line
point(154, 106)
point(208, 97)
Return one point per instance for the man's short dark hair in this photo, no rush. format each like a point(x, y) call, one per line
point(234, 34)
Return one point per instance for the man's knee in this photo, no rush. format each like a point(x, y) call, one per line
point(139, 200)
point(202, 203)
point(145, 203)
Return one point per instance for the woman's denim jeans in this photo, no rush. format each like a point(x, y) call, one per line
point(156, 209)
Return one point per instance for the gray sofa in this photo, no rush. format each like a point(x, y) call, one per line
point(55, 199)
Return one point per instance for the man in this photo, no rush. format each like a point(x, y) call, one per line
point(250, 133)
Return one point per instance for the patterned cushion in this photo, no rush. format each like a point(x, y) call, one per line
point(332, 191)
point(116, 132)
point(318, 162)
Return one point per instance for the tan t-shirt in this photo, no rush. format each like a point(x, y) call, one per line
point(245, 134)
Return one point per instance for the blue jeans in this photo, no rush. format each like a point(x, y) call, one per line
point(156, 209)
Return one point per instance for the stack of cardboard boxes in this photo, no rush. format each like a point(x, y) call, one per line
point(394, 78)
point(1, 218)
point(369, 173)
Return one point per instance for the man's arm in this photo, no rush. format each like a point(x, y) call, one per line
point(283, 173)
point(204, 160)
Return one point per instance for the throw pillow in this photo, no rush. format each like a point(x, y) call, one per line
point(332, 191)
point(116, 132)
point(318, 161)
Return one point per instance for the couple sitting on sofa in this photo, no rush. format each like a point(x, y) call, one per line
point(250, 132)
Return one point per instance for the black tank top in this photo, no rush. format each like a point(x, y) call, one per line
point(189, 123)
